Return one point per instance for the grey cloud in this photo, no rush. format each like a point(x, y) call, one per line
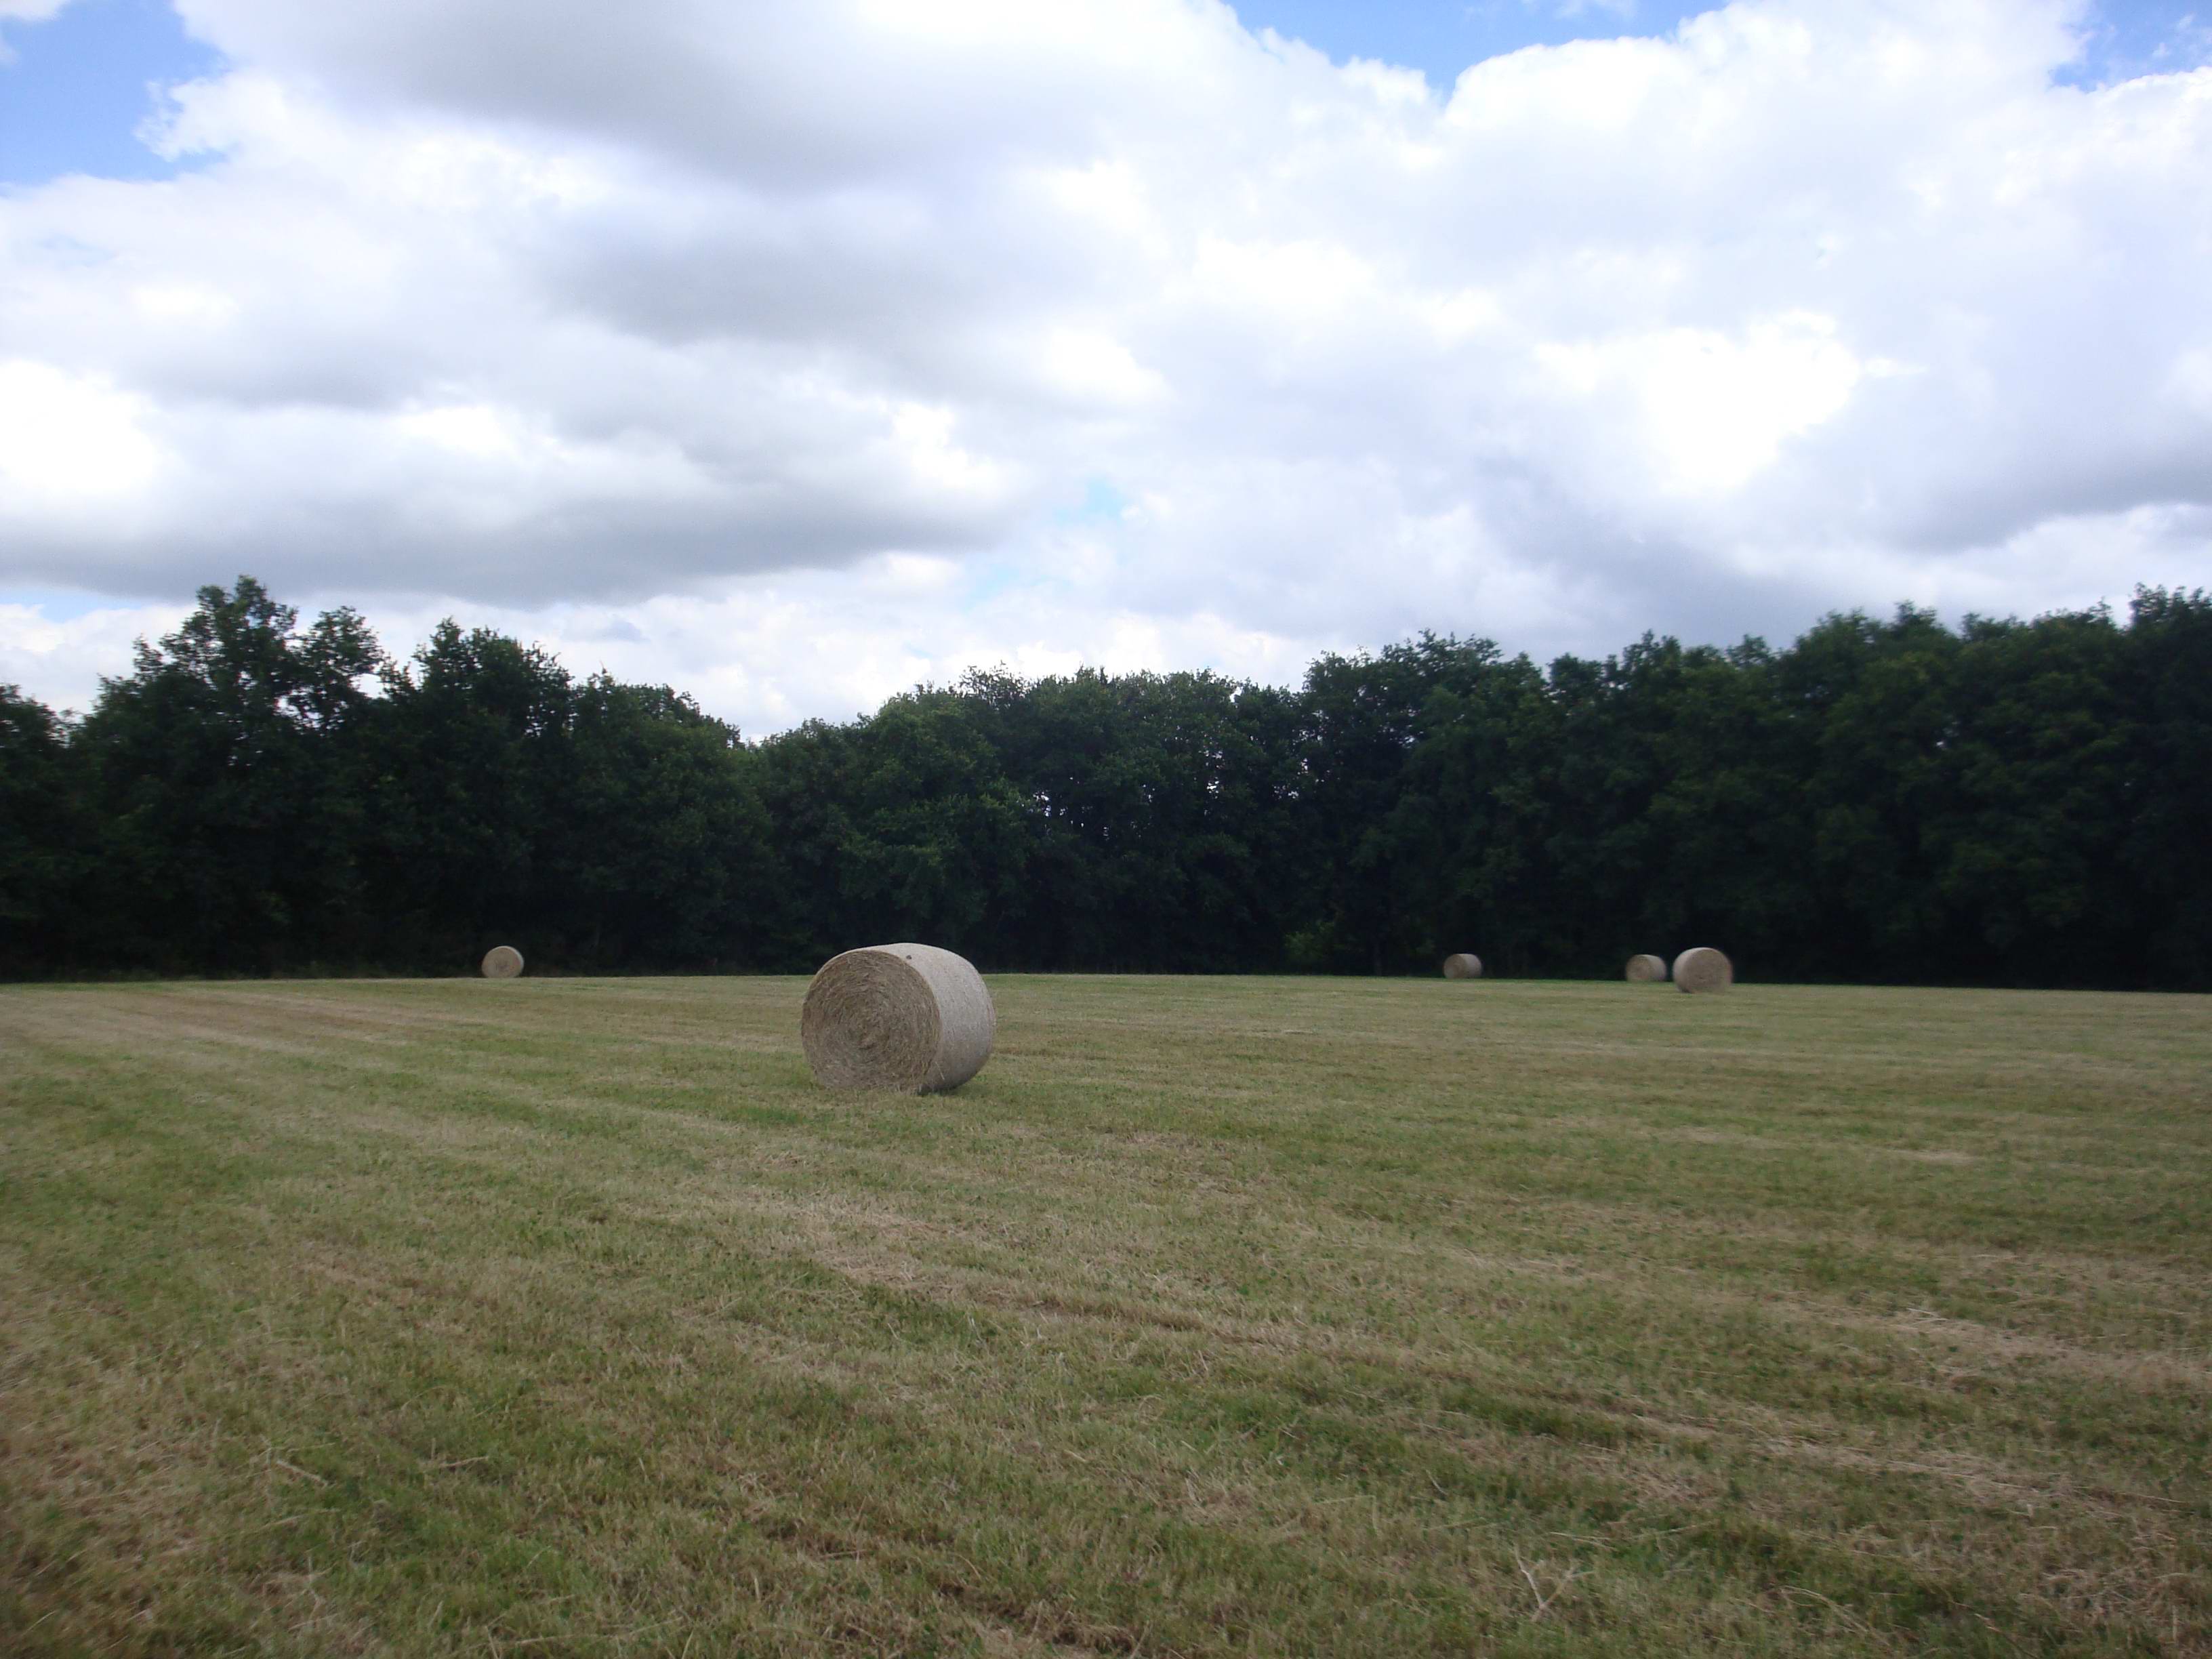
point(885, 275)
point(797, 96)
point(588, 551)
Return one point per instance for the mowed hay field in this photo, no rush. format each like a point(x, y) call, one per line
point(1303, 1317)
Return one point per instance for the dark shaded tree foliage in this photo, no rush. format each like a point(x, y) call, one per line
point(2004, 802)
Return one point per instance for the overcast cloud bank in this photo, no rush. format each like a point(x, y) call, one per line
point(794, 358)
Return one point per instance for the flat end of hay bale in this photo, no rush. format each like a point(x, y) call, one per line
point(1643, 970)
point(502, 961)
point(1701, 968)
point(908, 1018)
point(1464, 965)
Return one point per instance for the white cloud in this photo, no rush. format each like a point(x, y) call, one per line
point(60, 661)
point(789, 344)
point(1704, 411)
point(74, 449)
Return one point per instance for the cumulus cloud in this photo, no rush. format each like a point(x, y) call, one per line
point(727, 329)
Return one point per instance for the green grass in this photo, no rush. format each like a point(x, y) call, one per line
point(1302, 1316)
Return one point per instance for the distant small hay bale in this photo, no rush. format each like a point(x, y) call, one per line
point(910, 1018)
point(1701, 968)
point(1643, 970)
point(502, 961)
point(1465, 965)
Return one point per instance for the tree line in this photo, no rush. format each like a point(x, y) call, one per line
point(2002, 802)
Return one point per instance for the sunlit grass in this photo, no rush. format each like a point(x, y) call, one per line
point(1216, 1316)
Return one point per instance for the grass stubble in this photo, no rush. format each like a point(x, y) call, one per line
point(1222, 1316)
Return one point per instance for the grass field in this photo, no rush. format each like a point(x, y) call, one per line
point(1304, 1316)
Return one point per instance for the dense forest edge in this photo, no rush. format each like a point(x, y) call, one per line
point(1892, 800)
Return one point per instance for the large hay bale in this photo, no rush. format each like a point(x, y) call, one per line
point(1643, 970)
point(502, 961)
point(906, 1016)
point(1465, 965)
point(1701, 968)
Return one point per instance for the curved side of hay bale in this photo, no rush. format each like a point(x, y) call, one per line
point(1701, 968)
point(910, 1018)
point(1643, 970)
point(1463, 965)
point(502, 961)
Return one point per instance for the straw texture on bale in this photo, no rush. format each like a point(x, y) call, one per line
point(1701, 968)
point(906, 1016)
point(502, 961)
point(1643, 970)
point(1465, 965)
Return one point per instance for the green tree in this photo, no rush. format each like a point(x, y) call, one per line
point(1369, 830)
point(2167, 809)
point(1473, 819)
point(662, 848)
point(2025, 852)
point(1881, 701)
point(226, 765)
point(1883, 799)
point(47, 848)
point(471, 773)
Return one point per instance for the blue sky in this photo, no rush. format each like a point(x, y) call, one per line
point(82, 83)
point(1442, 37)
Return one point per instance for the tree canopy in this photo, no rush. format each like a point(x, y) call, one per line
point(2002, 802)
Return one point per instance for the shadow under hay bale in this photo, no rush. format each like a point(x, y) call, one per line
point(909, 1018)
point(1465, 965)
point(1643, 970)
point(1701, 968)
point(502, 961)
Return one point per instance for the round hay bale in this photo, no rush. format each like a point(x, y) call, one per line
point(906, 1016)
point(1701, 968)
point(1465, 965)
point(1642, 970)
point(502, 961)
